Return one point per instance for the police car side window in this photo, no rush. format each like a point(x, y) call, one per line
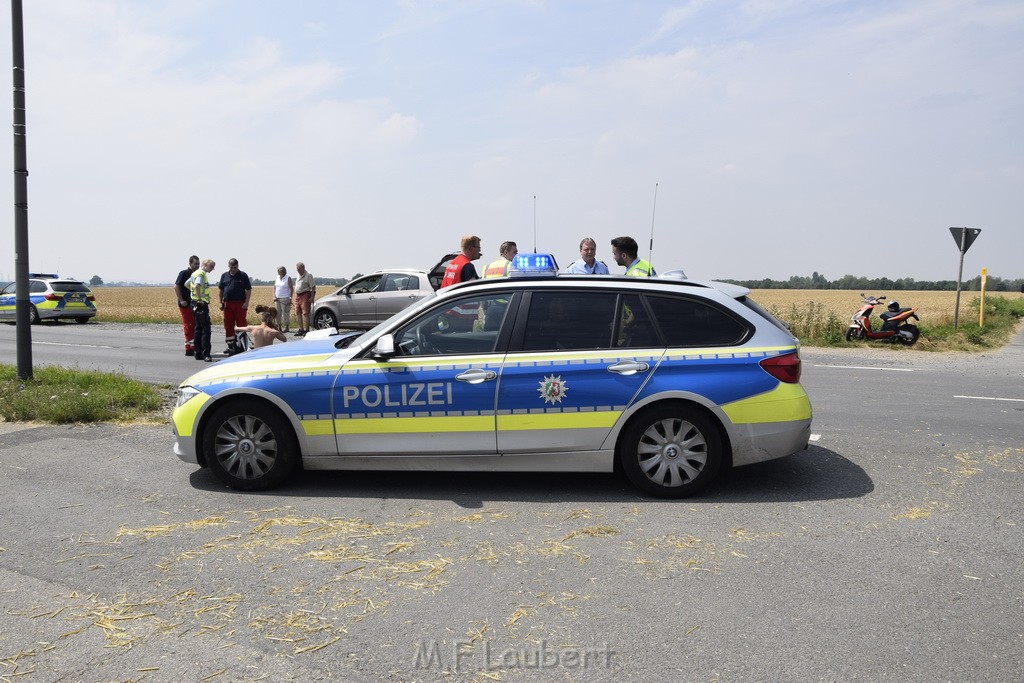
point(36, 286)
point(636, 329)
point(691, 322)
point(569, 321)
point(456, 328)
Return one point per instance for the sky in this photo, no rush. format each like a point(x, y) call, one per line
point(752, 138)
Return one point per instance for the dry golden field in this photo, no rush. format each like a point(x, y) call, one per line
point(157, 304)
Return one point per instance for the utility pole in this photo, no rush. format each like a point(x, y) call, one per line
point(22, 303)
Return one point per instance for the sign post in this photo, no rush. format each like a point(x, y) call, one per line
point(981, 315)
point(964, 238)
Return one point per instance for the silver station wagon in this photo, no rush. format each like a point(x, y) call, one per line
point(669, 381)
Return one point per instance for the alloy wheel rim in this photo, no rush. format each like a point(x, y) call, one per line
point(672, 452)
point(246, 447)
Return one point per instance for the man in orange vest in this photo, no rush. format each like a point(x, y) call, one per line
point(461, 268)
point(500, 267)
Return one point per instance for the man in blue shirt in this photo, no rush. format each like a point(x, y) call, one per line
point(588, 264)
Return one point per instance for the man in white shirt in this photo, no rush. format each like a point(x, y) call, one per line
point(588, 264)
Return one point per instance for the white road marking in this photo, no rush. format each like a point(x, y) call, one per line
point(991, 398)
point(864, 367)
point(91, 346)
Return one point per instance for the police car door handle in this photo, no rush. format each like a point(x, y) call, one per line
point(476, 375)
point(629, 367)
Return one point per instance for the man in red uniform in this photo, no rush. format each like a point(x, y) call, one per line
point(235, 290)
point(461, 268)
point(184, 294)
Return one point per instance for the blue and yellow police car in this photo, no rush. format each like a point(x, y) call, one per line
point(51, 297)
point(669, 380)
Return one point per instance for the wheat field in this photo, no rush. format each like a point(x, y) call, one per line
point(158, 304)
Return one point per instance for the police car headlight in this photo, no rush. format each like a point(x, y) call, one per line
point(185, 394)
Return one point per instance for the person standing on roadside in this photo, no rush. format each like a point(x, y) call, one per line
point(305, 294)
point(199, 288)
point(500, 268)
point(235, 290)
point(184, 295)
point(624, 251)
point(588, 263)
point(460, 268)
point(284, 290)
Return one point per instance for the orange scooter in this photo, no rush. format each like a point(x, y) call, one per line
point(895, 326)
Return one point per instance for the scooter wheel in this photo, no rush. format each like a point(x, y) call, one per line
point(915, 333)
point(852, 334)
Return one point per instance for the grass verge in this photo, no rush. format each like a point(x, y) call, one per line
point(62, 395)
point(814, 325)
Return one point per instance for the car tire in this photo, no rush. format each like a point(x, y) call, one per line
point(250, 446)
point(81, 321)
point(324, 320)
point(671, 451)
point(33, 316)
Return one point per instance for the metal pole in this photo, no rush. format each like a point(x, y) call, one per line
point(23, 306)
point(959, 277)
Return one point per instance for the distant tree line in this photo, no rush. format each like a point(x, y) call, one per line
point(880, 285)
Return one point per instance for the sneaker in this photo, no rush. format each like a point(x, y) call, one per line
point(300, 333)
point(190, 352)
point(207, 360)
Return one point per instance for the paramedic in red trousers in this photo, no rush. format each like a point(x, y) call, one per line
point(184, 294)
point(460, 268)
point(235, 290)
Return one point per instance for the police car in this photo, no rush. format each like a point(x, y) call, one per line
point(669, 380)
point(51, 298)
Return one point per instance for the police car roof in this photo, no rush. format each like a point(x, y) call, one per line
point(730, 290)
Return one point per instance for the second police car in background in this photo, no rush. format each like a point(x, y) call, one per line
point(669, 380)
point(51, 297)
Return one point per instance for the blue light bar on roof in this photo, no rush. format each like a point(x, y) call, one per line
point(533, 264)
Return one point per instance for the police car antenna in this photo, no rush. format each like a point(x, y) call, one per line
point(534, 224)
point(654, 211)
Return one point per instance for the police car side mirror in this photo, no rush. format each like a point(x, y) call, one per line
point(385, 347)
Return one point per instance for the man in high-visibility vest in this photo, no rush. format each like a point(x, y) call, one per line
point(460, 268)
point(624, 250)
point(501, 267)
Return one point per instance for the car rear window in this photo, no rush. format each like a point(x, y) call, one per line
point(69, 287)
point(691, 322)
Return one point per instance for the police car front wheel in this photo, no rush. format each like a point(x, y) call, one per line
point(250, 447)
point(671, 451)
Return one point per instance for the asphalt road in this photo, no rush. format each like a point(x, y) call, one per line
point(888, 550)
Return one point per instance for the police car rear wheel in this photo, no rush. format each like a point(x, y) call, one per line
point(671, 451)
point(33, 315)
point(250, 447)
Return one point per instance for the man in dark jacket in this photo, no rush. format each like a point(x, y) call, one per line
point(235, 290)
